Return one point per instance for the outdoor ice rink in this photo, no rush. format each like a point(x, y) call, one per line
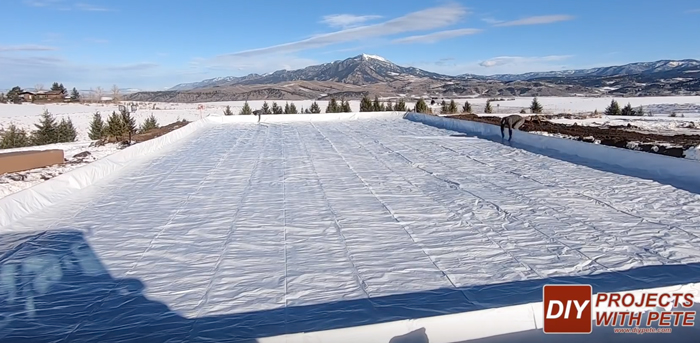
point(332, 224)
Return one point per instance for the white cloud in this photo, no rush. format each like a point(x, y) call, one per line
point(26, 47)
point(491, 21)
point(503, 60)
point(428, 19)
point(546, 19)
point(437, 36)
point(61, 5)
point(347, 20)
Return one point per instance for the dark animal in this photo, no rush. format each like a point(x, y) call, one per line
point(512, 122)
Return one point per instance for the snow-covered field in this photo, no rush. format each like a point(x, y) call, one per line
point(250, 231)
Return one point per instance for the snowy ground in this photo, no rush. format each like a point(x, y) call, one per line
point(248, 226)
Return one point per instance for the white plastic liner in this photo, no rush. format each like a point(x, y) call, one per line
point(293, 229)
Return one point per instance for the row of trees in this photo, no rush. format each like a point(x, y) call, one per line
point(367, 105)
point(49, 130)
point(119, 125)
point(614, 110)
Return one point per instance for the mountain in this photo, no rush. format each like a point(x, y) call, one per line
point(371, 75)
point(359, 70)
point(673, 68)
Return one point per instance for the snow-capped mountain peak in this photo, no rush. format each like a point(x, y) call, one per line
point(374, 57)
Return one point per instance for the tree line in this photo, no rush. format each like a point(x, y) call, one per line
point(50, 131)
point(614, 110)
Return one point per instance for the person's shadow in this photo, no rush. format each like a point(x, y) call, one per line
point(53, 288)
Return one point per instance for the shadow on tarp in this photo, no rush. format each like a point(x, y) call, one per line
point(640, 172)
point(54, 288)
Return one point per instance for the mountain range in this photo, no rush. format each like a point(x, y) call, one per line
point(370, 75)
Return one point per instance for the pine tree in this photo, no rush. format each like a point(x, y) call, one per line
point(401, 106)
point(286, 108)
point(421, 106)
point(129, 123)
point(293, 109)
point(266, 108)
point(227, 111)
point(443, 107)
point(14, 137)
point(613, 109)
point(467, 108)
point(381, 107)
point(315, 108)
point(55, 87)
point(13, 94)
point(276, 109)
point(46, 130)
point(452, 108)
point(345, 106)
point(639, 111)
point(332, 106)
point(97, 127)
point(535, 107)
point(627, 110)
point(488, 108)
point(149, 124)
point(376, 106)
point(246, 109)
point(365, 104)
point(306, 111)
point(65, 132)
point(389, 107)
point(75, 95)
point(115, 126)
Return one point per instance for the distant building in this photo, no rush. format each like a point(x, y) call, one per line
point(42, 96)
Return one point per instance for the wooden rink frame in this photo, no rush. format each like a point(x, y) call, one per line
point(18, 161)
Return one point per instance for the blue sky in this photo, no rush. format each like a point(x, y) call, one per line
point(155, 44)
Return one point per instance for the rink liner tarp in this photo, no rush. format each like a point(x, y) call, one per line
point(653, 165)
point(342, 172)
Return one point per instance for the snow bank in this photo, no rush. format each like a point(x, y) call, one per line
point(692, 153)
point(658, 165)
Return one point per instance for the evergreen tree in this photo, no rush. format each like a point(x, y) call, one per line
point(293, 109)
point(227, 111)
point(523, 111)
point(381, 107)
point(149, 124)
point(389, 107)
point(75, 95)
point(46, 131)
point(345, 106)
point(639, 111)
point(286, 108)
point(401, 106)
point(97, 127)
point(443, 107)
point(365, 104)
point(246, 109)
point(332, 106)
point(421, 106)
point(65, 131)
point(14, 137)
point(376, 106)
point(266, 108)
point(613, 109)
point(488, 108)
point(467, 108)
point(315, 108)
point(13, 94)
point(535, 107)
point(276, 109)
point(3, 99)
point(129, 122)
point(306, 111)
point(115, 126)
point(55, 87)
point(627, 110)
point(452, 108)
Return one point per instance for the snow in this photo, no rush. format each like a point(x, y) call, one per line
point(246, 231)
point(14, 182)
point(692, 153)
point(379, 58)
